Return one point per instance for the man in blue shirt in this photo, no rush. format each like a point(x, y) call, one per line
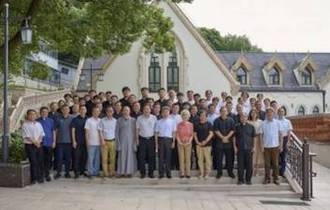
point(63, 142)
point(48, 140)
point(79, 142)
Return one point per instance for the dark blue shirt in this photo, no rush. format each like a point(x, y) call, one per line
point(78, 124)
point(48, 125)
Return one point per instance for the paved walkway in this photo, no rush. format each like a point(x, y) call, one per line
point(96, 195)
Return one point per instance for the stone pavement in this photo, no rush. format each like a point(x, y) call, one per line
point(99, 194)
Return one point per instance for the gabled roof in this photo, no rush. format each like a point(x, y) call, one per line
point(290, 60)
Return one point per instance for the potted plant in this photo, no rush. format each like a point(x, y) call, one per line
point(16, 173)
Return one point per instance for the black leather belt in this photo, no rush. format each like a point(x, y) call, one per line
point(147, 138)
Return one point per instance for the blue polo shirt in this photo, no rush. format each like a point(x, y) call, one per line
point(48, 125)
point(78, 123)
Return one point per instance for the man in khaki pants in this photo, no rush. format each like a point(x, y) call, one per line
point(107, 129)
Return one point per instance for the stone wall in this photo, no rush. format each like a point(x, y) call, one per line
point(315, 127)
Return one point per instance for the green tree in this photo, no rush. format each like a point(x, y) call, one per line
point(114, 25)
point(228, 42)
point(39, 71)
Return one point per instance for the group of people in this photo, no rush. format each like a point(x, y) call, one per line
point(100, 132)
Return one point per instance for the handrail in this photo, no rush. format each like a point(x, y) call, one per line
point(33, 101)
point(300, 164)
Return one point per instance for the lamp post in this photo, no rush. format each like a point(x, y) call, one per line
point(26, 37)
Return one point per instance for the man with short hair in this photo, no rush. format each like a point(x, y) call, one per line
point(79, 143)
point(161, 93)
point(93, 142)
point(190, 97)
point(145, 131)
point(244, 144)
point(107, 129)
point(118, 107)
point(126, 91)
point(272, 138)
point(48, 143)
point(32, 133)
point(287, 129)
point(208, 96)
point(53, 113)
point(165, 140)
point(145, 96)
point(224, 128)
point(63, 142)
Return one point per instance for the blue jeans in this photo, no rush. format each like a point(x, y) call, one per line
point(94, 153)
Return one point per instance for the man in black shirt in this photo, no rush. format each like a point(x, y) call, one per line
point(79, 142)
point(126, 93)
point(224, 128)
point(162, 101)
point(118, 108)
point(108, 102)
point(244, 141)
point(145, 97)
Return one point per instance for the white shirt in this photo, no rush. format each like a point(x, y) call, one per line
point(165, 127)
point(32, 130)
point(92, 125)
point(270, 130)
point(192, 102)
point(108, 127)
point(146, 125)
point(257, 125)
point(286, 125)
point(176, 117)
point(212, 117)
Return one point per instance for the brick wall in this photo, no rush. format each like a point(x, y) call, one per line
point(314, 127)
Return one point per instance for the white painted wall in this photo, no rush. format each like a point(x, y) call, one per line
point(200, 72)
point(293, 100)
point(327, 98)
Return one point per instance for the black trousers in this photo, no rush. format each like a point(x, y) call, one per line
point(36, 164)
point(219, 154)
point(175, 158)
point(47, 159)
point(165, 155)
point(244, 161)
point(63, 152)
point(80, 159)
point(282, 157)
point(147, 154)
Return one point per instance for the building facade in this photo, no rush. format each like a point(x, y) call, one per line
point(297, 81)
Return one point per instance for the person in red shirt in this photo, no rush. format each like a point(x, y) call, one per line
point(185, 133)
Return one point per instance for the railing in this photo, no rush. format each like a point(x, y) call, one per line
point(300, 165)
point(29, 102)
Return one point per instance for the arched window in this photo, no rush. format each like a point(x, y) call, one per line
point(274, 76)
point(154, 73)
point(306, 77)
point(316, 110)
point(173, 73)
point(241, 76)
point(301, 110)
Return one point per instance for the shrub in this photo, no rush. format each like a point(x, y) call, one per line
point(16, 148)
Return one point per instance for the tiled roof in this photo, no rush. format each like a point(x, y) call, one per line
point(257, 60)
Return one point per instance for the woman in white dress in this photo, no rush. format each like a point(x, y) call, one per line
point(258, 160)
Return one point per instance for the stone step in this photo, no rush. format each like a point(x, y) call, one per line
point(225, 184)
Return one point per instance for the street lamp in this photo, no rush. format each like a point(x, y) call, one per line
point(26, 36)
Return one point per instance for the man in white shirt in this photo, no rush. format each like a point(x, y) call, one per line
point(93, 142)
point(145, 138)
point(208, 96)
point(107, 128)
point(165, 140)
point(272, 138)
point(32, 133)
point(287, 129)
point(190, 96)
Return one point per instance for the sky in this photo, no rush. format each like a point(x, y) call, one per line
point(273, 25)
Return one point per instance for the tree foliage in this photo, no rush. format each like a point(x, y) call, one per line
point(228, 42)
point(39, 71)
point(113, 25)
